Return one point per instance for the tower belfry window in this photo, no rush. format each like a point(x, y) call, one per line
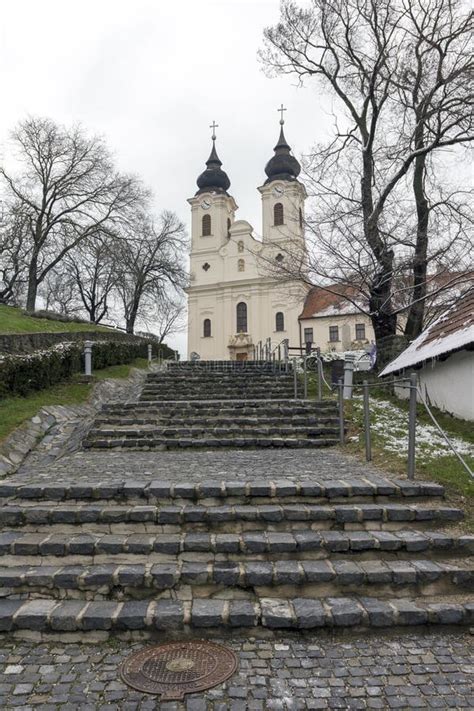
point(206, 225)
point(278, 214)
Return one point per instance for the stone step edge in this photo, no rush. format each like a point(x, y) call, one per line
point(221, 489)
point(187, 513)
point(297, 613)
point(237, 443)
point(18, 543)
point(244, 575)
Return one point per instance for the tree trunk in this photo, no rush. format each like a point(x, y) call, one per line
point(32, 284)
point(416, 313)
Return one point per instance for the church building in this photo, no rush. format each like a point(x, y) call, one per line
point(235, 297)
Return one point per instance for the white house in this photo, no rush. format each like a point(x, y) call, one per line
point(233, 300)
point(443, 358)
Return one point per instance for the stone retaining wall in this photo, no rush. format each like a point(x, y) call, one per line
point(29, 342)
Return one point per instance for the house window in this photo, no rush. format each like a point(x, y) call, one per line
point(206, 225)
point(333, 333)
point(278, 214)
point(241, 317)
point(241, 265)
point(240, 246)
point(308, 335)
point(206, 328)
point(229, 225)
point(279, 321)
point(360, 331)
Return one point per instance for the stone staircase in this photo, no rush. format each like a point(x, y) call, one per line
point(216, 404)
point(134, 555)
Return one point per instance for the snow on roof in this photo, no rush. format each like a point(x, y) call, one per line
point(452, 331)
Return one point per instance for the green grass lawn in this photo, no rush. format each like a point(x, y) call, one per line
point(13, 320)
point(15, 410)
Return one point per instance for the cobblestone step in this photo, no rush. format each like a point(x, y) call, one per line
point(215, 490)
point(208, 442)
point(198, 419)
point(247, 407)
point(16, 543)
point(217, 430)
point(370, 516)
point(297, 578)
point(46, 615)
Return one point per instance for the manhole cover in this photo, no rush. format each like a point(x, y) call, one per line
point(178, 668)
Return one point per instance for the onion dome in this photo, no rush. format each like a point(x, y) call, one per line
point(283, 166)
point(213, 179)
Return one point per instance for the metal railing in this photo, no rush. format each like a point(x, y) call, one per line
point(415, 393)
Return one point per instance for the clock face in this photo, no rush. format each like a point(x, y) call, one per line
point(206, 204)
point(278, 191)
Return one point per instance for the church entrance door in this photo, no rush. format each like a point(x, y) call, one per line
point(241, 356)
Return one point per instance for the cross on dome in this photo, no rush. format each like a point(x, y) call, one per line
point(214, 125)
point(281, 110)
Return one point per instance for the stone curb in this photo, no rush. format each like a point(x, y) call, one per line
point(158, 490)
point(352, 542)
point(233, 574)
point(274, 613)
point(14, 515)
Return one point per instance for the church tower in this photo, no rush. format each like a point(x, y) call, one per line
point(212, 215)
point(283, 196)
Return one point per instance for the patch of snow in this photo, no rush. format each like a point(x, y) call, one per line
point(390, 424)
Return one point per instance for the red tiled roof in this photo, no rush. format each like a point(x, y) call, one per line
point(319, 299)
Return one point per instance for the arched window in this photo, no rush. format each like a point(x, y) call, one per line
point(241, 317)
point(206, 225)
point(229, 225)
point(278, 213)
point(241, 265)
point(206, 328)
point(240, 246)
point(301, 218)
point(279, 321)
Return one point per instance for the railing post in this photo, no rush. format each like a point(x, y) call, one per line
point(305, 377)
point(340, 385)
point(412, 427)
point(150, 354)
point(348, 375)
point(295, 379)
point(368, 447)
point(88, 358)
point(319, 366)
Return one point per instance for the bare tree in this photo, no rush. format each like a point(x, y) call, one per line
point(359, 50)
point(59, 291)
point(13, 250)
point(169, 316)
point(69, 189)
point(434, 93)
point(93, 265)
point(150, 260)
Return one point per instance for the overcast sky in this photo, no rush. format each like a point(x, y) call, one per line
point(151, 76)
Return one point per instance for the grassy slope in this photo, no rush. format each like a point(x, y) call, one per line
point(13, 320)
point(15, 410)
point(446, 470)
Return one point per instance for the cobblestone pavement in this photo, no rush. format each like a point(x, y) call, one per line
point(195, 466)
point(419, 671)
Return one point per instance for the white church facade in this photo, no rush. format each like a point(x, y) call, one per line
point(235, 299)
